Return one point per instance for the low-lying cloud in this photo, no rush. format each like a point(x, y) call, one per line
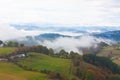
point(7, 32)
point(71, 44)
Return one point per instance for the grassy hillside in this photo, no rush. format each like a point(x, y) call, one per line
point(6, 50)
point(106, 50)
point(117, 61)
point(32, 66)
point(34, 61)
point(37, 61)
point(9, 71)
point(111, 51)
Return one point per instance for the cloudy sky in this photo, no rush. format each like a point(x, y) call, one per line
point(61, 12)
point(58, 13)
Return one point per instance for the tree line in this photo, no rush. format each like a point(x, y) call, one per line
point(103, 62)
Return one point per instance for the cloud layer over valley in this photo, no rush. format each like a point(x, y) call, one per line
point(73, 41)
point(7, 32)
point(71, 44)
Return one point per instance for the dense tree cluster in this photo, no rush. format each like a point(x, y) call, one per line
point(83, 70)
point(1, 42)
point(103, 44)
point(56, 76)
point(103, 62)
point(38, 49)
point(12, 44)
point(63, 54)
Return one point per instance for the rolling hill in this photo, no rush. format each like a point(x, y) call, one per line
point(112, 35)
point(9, 71)
point(6, 50)
point(40, 62)
point(38, 66)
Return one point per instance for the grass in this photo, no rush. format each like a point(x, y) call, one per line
point(6, 50)
point(117, 61)
point(9, 71)
point(41, 62)
point(115, 53)
point(106, 50)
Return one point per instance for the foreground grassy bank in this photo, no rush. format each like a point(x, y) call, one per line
point(9, 71)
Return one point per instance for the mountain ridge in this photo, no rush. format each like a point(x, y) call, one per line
point(38, 39)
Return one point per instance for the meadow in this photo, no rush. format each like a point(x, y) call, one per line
point(115, 53)
point(9, 71)
point(6, 50)
point(32, 66)
point(37, 61)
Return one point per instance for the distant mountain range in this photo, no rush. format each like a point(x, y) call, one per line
point(102, 32)
point(34, 40)
point(50, 36)
point(112, 35)
point(74, 29)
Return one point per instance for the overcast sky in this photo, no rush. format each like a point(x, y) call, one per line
point(56, 12)
point(61, 12)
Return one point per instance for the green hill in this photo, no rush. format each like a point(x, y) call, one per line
point(39, 62)
point(36, 61)
point(6, 50)
point(9, 71)
point(39, 66)
point(112, 53)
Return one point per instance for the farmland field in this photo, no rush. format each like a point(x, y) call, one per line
point(106, 50)
point(117, 61)
point(39, 62)
point(6, 50)
point(110, 50)
point(35, 61)
point(9, 71)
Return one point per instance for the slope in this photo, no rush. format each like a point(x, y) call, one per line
point(38, 62)
point(9, 71)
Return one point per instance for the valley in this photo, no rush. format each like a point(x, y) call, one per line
point(48, 56)
point(41, 65)
point(59, 39)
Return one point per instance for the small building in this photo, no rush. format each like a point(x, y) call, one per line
point(3, 59)
point(1, 45)
point(18, 56)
